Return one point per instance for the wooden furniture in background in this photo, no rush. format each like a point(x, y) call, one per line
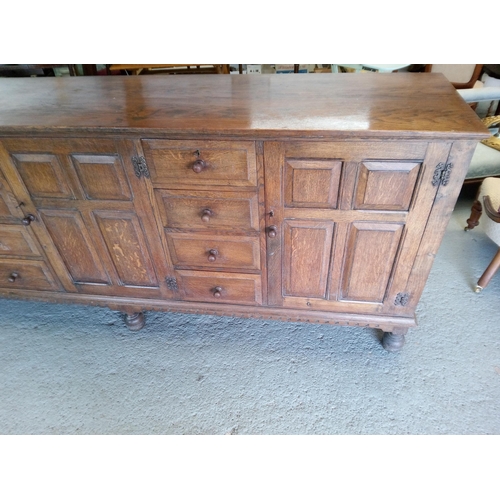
point(19, 70)
point(488, 197)
point(230, 195)
point(179, 69)
point(461, 76)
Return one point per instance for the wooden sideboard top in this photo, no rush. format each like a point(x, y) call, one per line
point(316, 106)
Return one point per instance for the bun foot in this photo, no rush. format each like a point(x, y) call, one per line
point(393, 342)
point(135, 321)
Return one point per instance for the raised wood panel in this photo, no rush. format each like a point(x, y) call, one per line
point(26, 275)
point(386, 185)
point(42, 175)
point(4, 209)
point(102, 177)
point(227, 162)
point(226, 252)
point(7, 202)
point(312, 183)
point(370, 254)
point(75, 246)
point(16, 241)
point(307, 249)
point(235, 288)
point(126, 244)
point(230, 211)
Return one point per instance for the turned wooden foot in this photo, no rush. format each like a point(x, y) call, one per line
point(488, 273)
point(395, 340)
point(135, 321)
point(475, 214)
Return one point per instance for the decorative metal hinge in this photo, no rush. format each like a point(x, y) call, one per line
point(171, 283)
point(402, 299)
point(140, 166)
point(442, 174)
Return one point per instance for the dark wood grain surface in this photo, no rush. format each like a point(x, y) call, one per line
point(312, 105)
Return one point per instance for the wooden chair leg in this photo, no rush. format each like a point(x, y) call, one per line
point(475, 214)
point(488, 274)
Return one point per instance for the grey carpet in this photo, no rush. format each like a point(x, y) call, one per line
point(77, 370)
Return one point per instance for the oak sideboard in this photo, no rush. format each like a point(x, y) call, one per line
point(318, 198)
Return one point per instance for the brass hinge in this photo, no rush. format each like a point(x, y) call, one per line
point(140, 166)
point(402, 299)
point(171, 283)
point(442, 174)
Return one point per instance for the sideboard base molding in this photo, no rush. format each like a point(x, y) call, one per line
point(134, 307)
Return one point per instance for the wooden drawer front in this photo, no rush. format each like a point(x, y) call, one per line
point(201, 286)
point(29, 275)
point(220, 252)
point(221, 163)
point(16, 241)
point(201, 210)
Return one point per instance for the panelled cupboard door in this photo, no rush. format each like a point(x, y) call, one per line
point(90, 211)
point(347, 219)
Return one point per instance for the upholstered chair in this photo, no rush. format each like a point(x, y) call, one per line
point(484, 165)
point(488, 201)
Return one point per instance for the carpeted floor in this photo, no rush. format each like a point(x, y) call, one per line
point(78, 370)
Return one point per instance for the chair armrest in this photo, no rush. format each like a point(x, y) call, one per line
point(490, 211)
point(480, 94)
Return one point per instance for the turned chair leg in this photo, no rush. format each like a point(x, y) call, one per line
point(475, 214)
point(488, 274)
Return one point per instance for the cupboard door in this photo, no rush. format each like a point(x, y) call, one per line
point(347, 220)
point(90, 213)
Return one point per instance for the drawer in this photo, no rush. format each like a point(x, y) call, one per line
point(219, 252)
point(16, 241)
point(26, 275)
point(231, 288)
point(205, 163)
point(204, 210)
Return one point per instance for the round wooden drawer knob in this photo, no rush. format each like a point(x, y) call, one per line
point(217, 292)
point(206, 214)
point(28, 220)
point(13, 277)
point(212, 255)
point(271, 231)
point(198, 166)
